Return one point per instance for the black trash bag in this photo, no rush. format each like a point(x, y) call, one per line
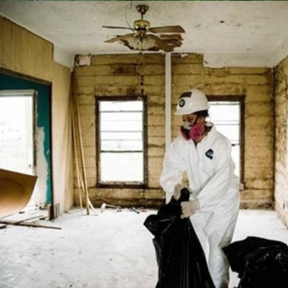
point(179, 254)
point(259, 262)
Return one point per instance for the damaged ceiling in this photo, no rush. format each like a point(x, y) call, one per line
point(250, 34)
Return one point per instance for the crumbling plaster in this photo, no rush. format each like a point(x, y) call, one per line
point(111, 75)
point(103, 77)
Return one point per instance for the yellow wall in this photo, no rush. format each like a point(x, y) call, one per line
point(109, 75)
point(119, 75)
point(281, 145)
point(256, 86)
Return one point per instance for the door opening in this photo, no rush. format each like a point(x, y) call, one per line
point(42, 150)
point(17, 129)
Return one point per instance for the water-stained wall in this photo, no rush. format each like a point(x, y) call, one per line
point(281, 143)
point(111, 75)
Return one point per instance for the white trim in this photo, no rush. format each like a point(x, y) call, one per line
point(17, 93)
point(62, 57)
point(280, 53)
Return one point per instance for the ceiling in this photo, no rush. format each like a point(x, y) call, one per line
point(252, 33)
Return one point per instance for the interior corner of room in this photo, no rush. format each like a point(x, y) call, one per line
point(91, 117)
point(66, 102)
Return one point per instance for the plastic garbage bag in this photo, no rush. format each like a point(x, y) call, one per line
point(259, 262)
point(180, 257)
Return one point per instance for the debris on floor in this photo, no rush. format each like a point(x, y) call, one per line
point(134, 210)
point(120, 209)
point(179, 254)
point(259, 262)
point(112, 250)
point(15, 191)
point(28, 224)
point(104, 205)
point(31, 216)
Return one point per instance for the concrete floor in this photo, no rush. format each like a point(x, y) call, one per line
point(111, 250)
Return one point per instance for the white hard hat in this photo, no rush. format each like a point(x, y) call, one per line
point(191, 101)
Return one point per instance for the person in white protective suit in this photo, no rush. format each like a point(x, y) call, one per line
point(205, 155)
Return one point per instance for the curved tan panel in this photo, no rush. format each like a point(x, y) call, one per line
point(15, 191)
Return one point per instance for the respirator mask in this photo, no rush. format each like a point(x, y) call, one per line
point(192, 131)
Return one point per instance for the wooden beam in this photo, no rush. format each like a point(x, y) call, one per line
point(28, 224)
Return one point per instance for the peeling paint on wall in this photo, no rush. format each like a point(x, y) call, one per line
point(43, 125)
point(40, 196)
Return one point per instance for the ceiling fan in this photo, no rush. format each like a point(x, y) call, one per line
point(143, 37)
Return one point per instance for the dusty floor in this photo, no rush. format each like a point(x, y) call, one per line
point(111, 250)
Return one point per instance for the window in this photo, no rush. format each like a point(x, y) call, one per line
point(17, 130)
point(227, 117)
point(121, 141)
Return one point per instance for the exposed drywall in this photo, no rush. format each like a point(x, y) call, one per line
point(41, 169)
point(111, 75)
point(31, 56)
point(281, 145)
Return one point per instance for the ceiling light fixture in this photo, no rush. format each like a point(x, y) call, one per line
point(140, 43)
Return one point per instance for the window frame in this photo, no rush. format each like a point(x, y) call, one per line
point(32, 94)
point(121, 184)
point(241, 100)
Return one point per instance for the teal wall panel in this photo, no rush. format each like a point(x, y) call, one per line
point(9, 82)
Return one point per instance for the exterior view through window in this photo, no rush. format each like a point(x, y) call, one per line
point(226, 115)
point(121, 137)
point(17, 131)
point(121, 141)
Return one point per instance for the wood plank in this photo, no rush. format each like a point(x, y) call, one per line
point(28, 224)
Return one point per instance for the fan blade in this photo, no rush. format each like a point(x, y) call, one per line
point(167, 29)
point(161, 44)
point(116, 27)
point(174, 40)
point(119, 38)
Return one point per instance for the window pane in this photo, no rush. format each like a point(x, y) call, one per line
point(121, 115)
point(226, 117)
point(121, 136)
point(121, 106)
point(121, 121)
point(122, 167)
point(230, 131)
point(16, 133)
point(224, 111)
point(121, 130)
point(124, 145)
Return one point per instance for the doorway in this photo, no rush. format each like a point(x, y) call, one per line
point(25, 143)
point(17, 131)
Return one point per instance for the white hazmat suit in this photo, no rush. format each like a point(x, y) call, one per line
point(210, 171)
